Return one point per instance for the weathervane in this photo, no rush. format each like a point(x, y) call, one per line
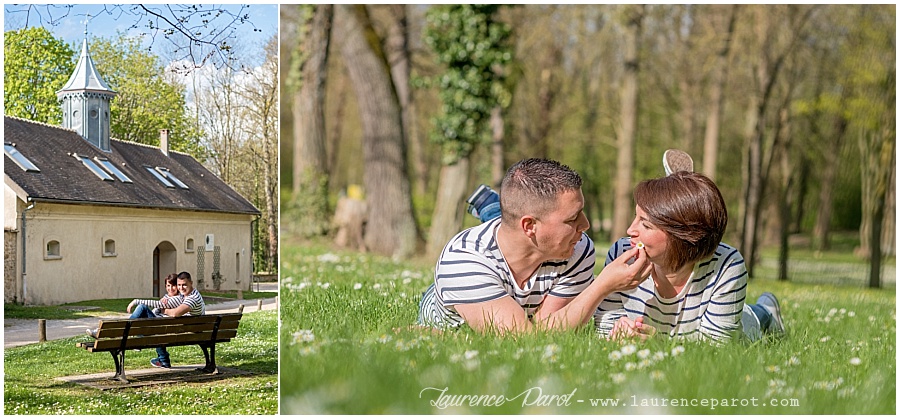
point(87, 19)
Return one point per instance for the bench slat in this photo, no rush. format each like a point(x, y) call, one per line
point(162, 340)
point(118, 324)
point(138, 328)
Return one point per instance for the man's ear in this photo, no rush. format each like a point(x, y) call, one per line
point(529, 225)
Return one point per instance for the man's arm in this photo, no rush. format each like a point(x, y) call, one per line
point(505, 315)
point(177, 311)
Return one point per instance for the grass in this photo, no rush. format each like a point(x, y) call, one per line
point(340, 311)
point(30, 386)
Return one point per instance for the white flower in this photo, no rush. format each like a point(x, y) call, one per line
point(659, 356)
point(329, 258)
point(615, 356)
point(643, 353)
point(855, 361)
point(376, 286)
point(617, 378)
point(384, 339)
point(471, 354)
point(550, 350)
point(357, 286)
point(825, 339)
point(678, 350)
point(325, 285)
point(851, 314)
point(628, 349)
point(793, 361)
point(304, 336)
point(657, 375)
point(630, 366)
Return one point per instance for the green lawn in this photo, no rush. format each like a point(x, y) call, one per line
point(30, 386)
point(340, 354)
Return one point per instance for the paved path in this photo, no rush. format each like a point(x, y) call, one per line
point(18, 332)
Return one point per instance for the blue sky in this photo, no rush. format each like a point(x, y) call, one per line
point(71, 27)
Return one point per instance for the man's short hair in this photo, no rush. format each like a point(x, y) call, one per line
point(690, 209)
point(185, 276)
point(532, 187)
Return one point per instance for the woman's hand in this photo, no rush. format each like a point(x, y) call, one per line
point(625, 328)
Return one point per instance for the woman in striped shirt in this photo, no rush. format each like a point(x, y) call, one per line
point(698, 285)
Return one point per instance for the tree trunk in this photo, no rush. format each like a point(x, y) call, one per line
point(717, 101)
point(622, 207)
point(391, 228)
point(310, 184)
point(822, 229)
point(398, 55)
point(447, 218)
point(498, 166)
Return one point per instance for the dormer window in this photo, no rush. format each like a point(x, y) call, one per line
point(94, 167)
point(19, 158)
point(111, 168)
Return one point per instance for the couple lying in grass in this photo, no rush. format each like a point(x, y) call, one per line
point(531, 266)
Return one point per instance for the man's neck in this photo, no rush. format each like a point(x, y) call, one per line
point(520, 254)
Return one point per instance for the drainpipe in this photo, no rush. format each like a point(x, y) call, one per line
point(24, 251)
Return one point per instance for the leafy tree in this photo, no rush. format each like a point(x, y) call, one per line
point(148, 98)
point(474, 47)
point(36, 65)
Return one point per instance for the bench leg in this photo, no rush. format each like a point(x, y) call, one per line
point(209, 352)
point(119, 359)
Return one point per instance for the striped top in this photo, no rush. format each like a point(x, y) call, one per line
point(708, 307)
point(193, 300)
point(471, 269)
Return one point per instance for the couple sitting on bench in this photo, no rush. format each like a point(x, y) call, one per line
point(182, 299)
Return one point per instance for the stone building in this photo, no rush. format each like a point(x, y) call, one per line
point(89, 217)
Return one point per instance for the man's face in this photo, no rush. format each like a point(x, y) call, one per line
point(171, 290)
point(558, 231)
point(185, 286)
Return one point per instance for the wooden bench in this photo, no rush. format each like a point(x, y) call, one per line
point(117, 336)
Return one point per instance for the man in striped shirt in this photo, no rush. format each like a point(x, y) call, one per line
point(532, 267)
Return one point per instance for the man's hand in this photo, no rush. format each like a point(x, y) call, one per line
point(620, 275)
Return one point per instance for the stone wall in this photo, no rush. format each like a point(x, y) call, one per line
point(9, 265)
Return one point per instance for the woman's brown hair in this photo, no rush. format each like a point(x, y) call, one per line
point(689, 207)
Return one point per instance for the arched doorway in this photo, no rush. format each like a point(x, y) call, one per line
point(163, 264)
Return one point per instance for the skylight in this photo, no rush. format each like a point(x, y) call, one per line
point(165, 172)
point(94, 168)
point(159, 177)
point(20, 159)
point(111, 168)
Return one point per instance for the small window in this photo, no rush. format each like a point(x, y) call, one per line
point(94, 167)
point(109, 247)
point(21, 160)
point(111, 168)
point(165, 172)
point(159, 177)
point(52, 250)
point(189, 245)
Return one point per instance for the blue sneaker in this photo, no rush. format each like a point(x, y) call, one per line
point(770, 303)
point(159, 363)
point(479, 199)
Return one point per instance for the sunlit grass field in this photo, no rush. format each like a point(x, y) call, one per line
point(346, 349)
point(30, 372)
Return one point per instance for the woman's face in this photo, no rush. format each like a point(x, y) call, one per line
point(171, 290)
point(643, 231)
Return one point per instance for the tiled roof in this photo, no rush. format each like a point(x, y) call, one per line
point(63, 178)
